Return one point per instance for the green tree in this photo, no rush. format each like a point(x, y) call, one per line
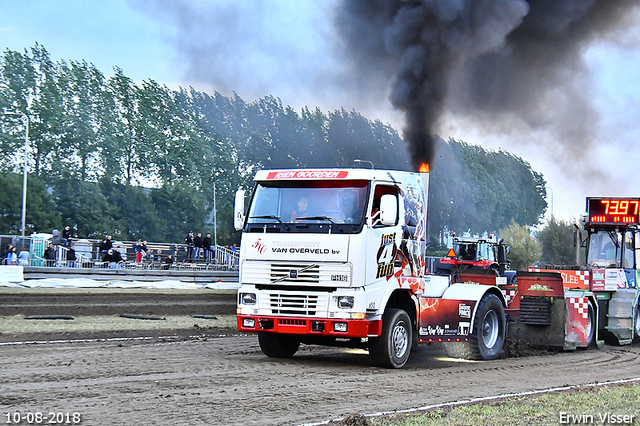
point(16, 88)
point(45, 113)
point(85, 104)
point(181, 208)
point(525, 250)
point(41, 215)
point(472, 189)
point(84, 207)
point(122, 154)
point(558, 242)
point(137, 215)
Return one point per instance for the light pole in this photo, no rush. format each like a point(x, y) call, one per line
point(24, 179)
point(358, 161)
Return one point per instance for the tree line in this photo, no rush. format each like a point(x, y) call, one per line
point(108, 155)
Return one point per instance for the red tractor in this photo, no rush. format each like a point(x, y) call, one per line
point(476, 254)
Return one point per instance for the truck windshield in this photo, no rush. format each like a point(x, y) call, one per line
point(605, 249)
point(309, 203)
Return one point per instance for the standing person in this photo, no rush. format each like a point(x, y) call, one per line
point(197, 243)
point(66, 236)
point(138, 251)
point(71, 256)
point(189, 242)
point(206, 247)
point(50, 255)
point(5, 253)
point(106, 245)
point(146, 253)
point(56, 238)
point(23, 257)
point(12, 256)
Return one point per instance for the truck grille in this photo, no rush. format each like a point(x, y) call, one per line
point(293, 304)
point(288, 273)
point(296, 274)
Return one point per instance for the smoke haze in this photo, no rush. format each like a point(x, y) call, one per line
point(498, 61)
point(512, 71)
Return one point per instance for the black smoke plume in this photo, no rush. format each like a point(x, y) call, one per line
point(490, 59)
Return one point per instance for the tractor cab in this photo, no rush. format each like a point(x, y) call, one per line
point(475, 253)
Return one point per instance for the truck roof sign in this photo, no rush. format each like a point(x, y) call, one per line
point(307, 174)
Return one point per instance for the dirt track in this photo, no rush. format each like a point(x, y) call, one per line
point(222, 378)
point(227, 380)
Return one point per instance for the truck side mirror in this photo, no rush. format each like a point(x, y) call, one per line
point(238, 210)
point(388, 209)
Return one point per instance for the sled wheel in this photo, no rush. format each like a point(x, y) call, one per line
point(489, 331)
point(392, 348)
point(278, 345)
point(591, 325)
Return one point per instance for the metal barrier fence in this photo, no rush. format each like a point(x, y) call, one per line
point(87, 255)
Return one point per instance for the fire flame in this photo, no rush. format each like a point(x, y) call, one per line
point(424, 168)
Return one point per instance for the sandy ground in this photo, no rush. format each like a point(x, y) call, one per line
point(220, 377)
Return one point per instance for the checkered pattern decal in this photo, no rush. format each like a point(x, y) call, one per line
point(580, 304)
point(583, 276)
point(509, 295)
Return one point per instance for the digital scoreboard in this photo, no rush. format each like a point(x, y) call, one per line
point(613, 211)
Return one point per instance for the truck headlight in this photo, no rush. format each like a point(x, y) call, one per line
point(345, 302)
point(248, 298)
point(340, 327)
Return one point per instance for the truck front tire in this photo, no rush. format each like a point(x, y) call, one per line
point(392, 348)
point(489, 332)
point(278, 345)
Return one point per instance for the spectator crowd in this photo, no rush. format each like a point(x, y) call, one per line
point(61, 247)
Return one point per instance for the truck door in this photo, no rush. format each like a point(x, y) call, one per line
point(629, 256)
point(382, 240)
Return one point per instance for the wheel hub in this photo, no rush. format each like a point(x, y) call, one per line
point(490, 329)
point(400, 340)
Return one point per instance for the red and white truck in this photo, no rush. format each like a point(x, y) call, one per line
point(337, 257)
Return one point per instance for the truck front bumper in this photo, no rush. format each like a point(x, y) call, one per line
point(331, 327)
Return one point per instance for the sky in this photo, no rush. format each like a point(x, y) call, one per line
point(293, 51)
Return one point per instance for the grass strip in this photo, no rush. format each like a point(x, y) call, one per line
point(606, 404)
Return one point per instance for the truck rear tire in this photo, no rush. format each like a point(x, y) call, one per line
point(489, 332)
point(278, 345)
point(392, 348)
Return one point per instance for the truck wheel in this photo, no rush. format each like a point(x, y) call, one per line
point(278, 345)
point(392, 348)
point(488, 336)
